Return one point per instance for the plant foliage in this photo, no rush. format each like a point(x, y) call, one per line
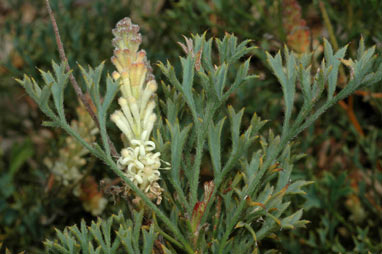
point(230, 184)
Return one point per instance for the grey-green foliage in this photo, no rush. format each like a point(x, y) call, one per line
point(254, 204)
point(113, 235)
point(246, 201)
point(298, 70)
point(245, 198)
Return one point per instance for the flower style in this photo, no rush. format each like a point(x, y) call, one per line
point(136, 118)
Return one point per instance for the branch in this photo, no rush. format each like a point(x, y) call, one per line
point(84, 99)
point(352, 117)
point(369, 94)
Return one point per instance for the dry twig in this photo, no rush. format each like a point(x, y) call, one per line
point(83, 97)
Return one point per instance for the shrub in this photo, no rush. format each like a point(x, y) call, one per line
point(198, 176)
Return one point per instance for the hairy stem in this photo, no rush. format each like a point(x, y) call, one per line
point(196, 170)
point(151, 205)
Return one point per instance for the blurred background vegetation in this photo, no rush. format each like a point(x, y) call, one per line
point(343, 149)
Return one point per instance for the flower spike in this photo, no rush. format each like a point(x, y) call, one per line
point(136, 119)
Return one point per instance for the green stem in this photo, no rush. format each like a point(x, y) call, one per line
point(150, 204)
point(328, 25)
point(305, 110)
point(285, 128)
point(318, 113)
point(330, 29)
point(201, 130)
point(196, 168)
point(218, 180)
point(103, 131)
point(180, 192)
point(232, 223)
point(165, 235)
point(74, 134)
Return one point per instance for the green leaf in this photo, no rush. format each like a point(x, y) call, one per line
point(214, 137)
point(293, 221)
point(45, 96)
point(305, 80)
point(138, 217)
point(287, 79)
point(206, 56)
point(125, 236)
point(257, 124)
point(92, 79)
point(219, 79)
point(178, 139)
point(111, 90)
point(252, 168)
point(82, 236)
point(241, 77)
point(235, 120)
point(334, 62)
point(320, 81)
point(188, 81)
point(31, 87)
point(148, 240)
point(57, 86)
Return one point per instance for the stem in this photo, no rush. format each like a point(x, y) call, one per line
point(196, 168)
point(217, 181)
point(164, 234)
point(314, 117)
point(285, 127)
point(302, 115)
point(180, 192)
point(332, 36)
point(74, 134)
point(103, 131)
point(328, 25)
point(72, 79)
point(151, 205)
point(231, 224)
point(201, 130)
point(351, 115)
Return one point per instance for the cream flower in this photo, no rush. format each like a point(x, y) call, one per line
point(136, 118)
